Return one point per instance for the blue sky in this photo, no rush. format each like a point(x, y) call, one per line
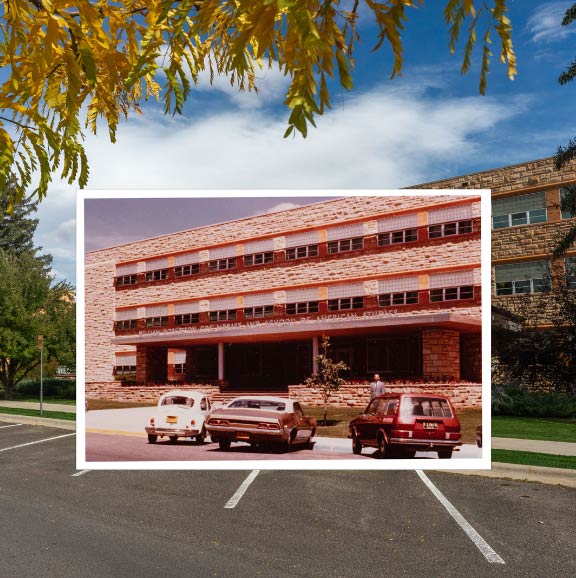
point(429, 124)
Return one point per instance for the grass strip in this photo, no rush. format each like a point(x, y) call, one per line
point(534, 459)
point(36, 413)
point(530, 428)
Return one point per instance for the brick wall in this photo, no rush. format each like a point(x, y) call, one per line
point(148, 394)
point(441, 353)
point(461, 395)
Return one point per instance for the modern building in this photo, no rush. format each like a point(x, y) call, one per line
point(394, 281)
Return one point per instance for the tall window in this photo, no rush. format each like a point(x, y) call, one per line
point(570, 265)
point(519, 210)
point(528, 277)
point(566, 213)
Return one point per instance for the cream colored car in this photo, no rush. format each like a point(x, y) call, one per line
point(179, 414)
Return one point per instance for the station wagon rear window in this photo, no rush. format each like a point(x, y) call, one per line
point(425, 406)
point(266, 404)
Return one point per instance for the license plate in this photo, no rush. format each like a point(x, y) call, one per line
point(171, 419)
point(430, 425)
point(242, 436)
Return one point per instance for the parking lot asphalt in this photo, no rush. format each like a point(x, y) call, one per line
point(106, 524)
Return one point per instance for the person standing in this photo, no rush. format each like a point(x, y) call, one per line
point(376, 387)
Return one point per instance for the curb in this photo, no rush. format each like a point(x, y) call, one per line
point(44, 421)
point(554, 476)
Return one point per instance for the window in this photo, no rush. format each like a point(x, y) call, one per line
point(126, 324)
point(447, 229)
point(302, 252)
point(395, 237)
point(299, 308)
point(156, 321)
point(402, 298)
point(519, 210)
point(566, 213)
point(570, 266)
point(126, 280)
point(223, 315)
point(528, 277)
point(158, 275)
point(185, 270)
point(179, 368)
point(345, 303)
point(222, 264)
point(452, 293)
point(255, 312)
point(186, 318)
point(124, 370)
point(345, 245)
point(258, 259)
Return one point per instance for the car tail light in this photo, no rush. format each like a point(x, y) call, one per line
point(401, 433)
point(192, 422)
point(268, 426)
point(215, 421)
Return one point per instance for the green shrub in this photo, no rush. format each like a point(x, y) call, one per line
point(515, 400)
point(52, 387)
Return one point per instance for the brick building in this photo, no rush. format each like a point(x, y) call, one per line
point(527, 222)
point(241, 306)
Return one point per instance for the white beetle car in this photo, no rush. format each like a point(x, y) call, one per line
point(179, 414)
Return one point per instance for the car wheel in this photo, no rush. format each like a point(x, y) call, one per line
point(356, 445)
point(291, 439)
point(201, 436)
point(224, 444)
point(152, 438)
point(310, 443)
point(383, 446)
point(445, 454)
point(173, 439)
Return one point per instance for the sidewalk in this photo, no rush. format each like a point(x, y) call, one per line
point(543, 447)
point(36, 405)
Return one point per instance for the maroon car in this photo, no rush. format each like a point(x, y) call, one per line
point(399, 425)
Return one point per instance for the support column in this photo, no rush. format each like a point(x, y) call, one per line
point(441, 354)
point(315, 348)
point(220, 362)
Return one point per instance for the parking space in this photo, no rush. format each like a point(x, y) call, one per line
point(324, 524)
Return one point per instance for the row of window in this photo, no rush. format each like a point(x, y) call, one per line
point(526, 209)
point(305, 251)
point(306, 307)
point(530, 277)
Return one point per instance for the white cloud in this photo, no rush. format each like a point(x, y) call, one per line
point(380, 139)
point(545, 23)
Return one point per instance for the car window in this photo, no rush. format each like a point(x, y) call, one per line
point(390, 407)
point(267, 404)
point(204, 404)
point(373, 407)
point(425, 406)
point(298, 410)
point(178, 400)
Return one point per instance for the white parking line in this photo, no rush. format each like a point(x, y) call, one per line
point(36, 442)
point(231, 503)
point(479, 542)
point(11, 425)
point(80, 473)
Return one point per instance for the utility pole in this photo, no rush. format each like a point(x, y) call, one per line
point(41, 348)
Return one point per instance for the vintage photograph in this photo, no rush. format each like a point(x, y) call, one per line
point(345, 329)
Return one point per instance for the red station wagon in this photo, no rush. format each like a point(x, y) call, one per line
point(399, 425)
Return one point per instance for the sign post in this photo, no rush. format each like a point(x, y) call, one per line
point(41, 348)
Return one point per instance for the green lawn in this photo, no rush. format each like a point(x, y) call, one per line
point(534, 459)
point(36, 413)
point(531, 428)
